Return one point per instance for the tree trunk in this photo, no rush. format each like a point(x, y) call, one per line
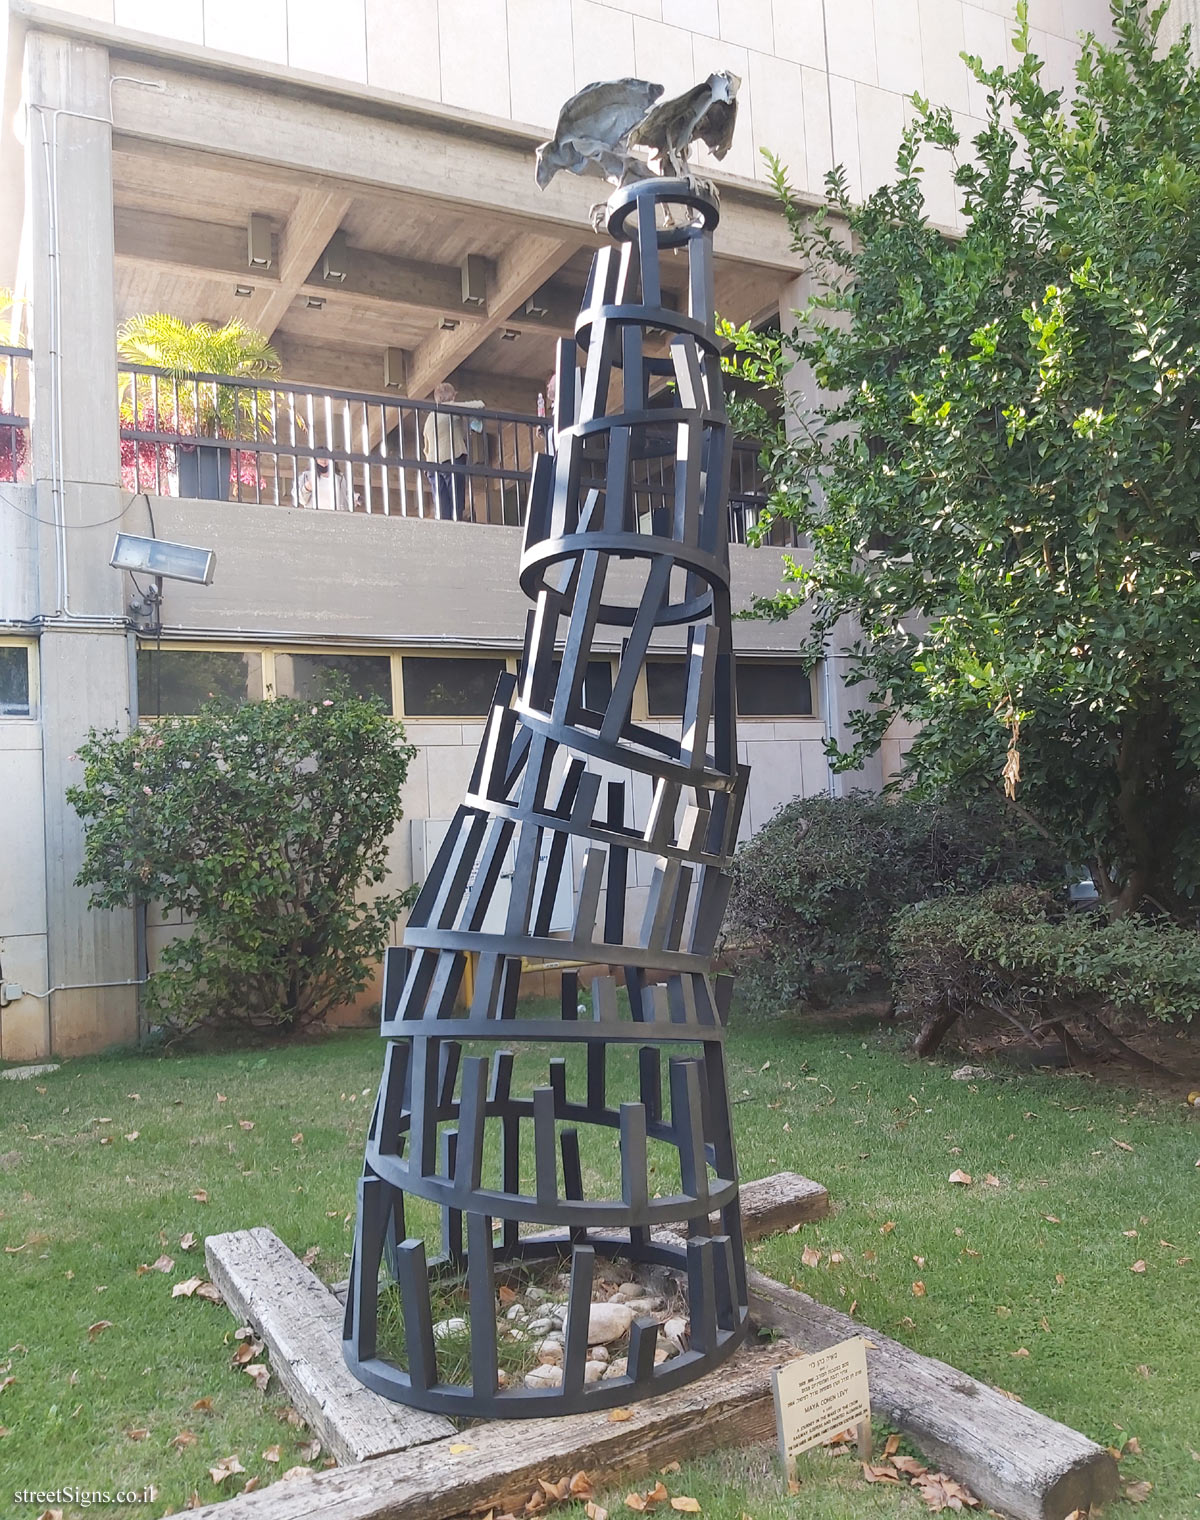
point(935, 1029)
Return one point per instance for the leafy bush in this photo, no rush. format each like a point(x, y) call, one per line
point(1018, 952)
point(814, 891)
point(262, 823)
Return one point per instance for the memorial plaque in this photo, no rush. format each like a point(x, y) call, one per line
point(818, 1396)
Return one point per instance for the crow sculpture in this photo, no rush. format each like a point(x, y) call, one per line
point(706, 113)
point(592, 135)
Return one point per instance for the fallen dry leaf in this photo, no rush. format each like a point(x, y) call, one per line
point(245, 1124)
point(941, 1492)
point(888, 1227)
point(203, 1404)
point(671, 1467)
point(809, 1257)
point(615, 1416)
point(991, 1180)
point(961, 1177)
point(581, 1486)
point(1020, 1351)
point(186, 1242)
point(132, 1135)
point(163, 1264)
point(207, 1291)
point(1138, 1493)
point(184, 1439)
point(6, 1382)
point(882, 1472)
point(1138, 1266)
point(200, 1196)
point(686, 1504)
point(295, 1472)
point(635, 1502)
point(246, 1352)
point(259, 1375)
point(250, 1485)
point(891, 1445)
point(310, 1256)
point(225, 1468)
point(272, 1454)
point(1052, 1219)
point(1121, 1144)
point(909, 1466)
point(186, 1288)
point(918, 1290)
point(595, 1511)
point(1133, 1447)
point(298, 1138)
point(99, 1328)
point(311, 1450)
point(836, 1258)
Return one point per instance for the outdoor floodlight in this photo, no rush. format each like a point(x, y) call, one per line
point(335, 260)
point(155, 556)
point(393, 367)
point(474, 280)
point(258, 241)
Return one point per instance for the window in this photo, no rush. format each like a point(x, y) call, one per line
point(15, 696)
point(666, 684)
point(314, 675)
point(435, 687)
point(597, 684)
point(773, 689)
point(175, 682)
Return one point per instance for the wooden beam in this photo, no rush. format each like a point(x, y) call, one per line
point(497, 1465)
point(519, 273)
point(314, 219)
point(775, 1203)
point(300, 1321)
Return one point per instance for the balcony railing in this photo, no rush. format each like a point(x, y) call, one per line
point(327, 450)
point(14, 412)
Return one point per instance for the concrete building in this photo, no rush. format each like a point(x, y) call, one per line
point(356, 181)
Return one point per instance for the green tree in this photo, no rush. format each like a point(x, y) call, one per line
point(267, 825)
point(1003, 484)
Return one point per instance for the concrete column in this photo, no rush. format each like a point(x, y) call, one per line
point(84, 651)
point(836, 700)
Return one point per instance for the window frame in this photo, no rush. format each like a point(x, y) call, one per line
point(32, 676)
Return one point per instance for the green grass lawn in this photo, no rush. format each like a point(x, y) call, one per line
point(1088, 1182)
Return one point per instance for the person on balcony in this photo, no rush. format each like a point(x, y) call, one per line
point(323, 488)
point(445, 443)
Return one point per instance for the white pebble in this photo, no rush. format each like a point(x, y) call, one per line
point(675, 1329)
point(594, 1371)
point(536, 1295)
point(647, 1305)
point(448, 1327)
point(550, 1351)
point(545, 1376)
point(598, 1353)
point(517, 1311)
point(608, 1322)
point(630, 1290)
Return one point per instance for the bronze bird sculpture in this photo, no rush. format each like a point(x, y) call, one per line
point(592, 135)
point(706, 113)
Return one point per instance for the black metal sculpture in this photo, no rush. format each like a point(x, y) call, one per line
point(602, 549)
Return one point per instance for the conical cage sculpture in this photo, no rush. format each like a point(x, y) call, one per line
point(627, 531)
